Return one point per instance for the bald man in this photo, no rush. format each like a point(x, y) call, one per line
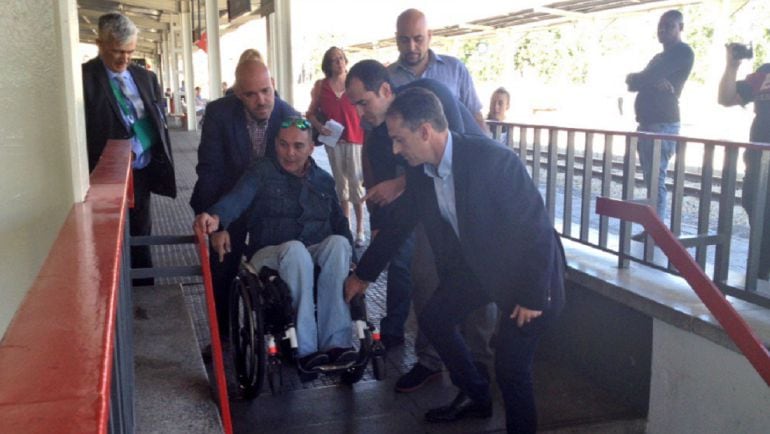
point(238, 129)
point(416, 60)
point(659, 86)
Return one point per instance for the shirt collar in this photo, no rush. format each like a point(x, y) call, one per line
point(112, 74)
point(434, 57)
point(444, 168)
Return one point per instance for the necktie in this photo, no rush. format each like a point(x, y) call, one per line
point(133, 110)
point(135, 99)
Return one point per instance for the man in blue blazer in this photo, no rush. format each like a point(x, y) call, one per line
point(492, 240)
point(113, 75)
point(238, 130)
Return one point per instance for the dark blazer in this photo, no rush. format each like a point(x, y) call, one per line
point(506, 236)
point(104, 121)
point(225, 149)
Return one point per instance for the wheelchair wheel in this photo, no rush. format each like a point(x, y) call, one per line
point(247, 335)
point(378, 366)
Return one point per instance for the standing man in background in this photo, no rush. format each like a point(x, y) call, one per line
point(238, 130)
point(659, 86)
point(124, 101)
point(417, 60)
point(754, 88)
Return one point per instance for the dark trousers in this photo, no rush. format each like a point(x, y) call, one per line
point(458, 294)
point(399, 290)
point(223, 273)
point(140, 222)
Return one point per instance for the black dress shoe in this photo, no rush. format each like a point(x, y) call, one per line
point(462, 407)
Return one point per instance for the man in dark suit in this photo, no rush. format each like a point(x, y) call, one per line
point(492, 240)
point(124, 101)
point(238, 130)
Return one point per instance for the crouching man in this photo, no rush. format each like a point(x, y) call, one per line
point(295, 222)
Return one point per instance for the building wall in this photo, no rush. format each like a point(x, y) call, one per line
point(41, 145)
point(698, 386)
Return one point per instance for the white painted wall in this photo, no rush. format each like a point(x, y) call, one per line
point(43, 169)
point(701, 387)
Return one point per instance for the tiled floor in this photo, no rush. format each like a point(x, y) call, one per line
point(567, 403)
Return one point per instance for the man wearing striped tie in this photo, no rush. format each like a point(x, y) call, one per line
point(124, 101)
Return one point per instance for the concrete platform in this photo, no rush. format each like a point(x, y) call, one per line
point(172, 390)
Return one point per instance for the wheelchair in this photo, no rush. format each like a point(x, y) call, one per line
point(263, 334)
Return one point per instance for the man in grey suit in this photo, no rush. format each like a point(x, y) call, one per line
point(124, 101)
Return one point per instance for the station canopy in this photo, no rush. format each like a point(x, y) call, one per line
point(153, 17)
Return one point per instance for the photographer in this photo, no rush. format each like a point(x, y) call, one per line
point(754, 88)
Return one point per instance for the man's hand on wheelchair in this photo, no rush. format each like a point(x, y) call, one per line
point(354, 286)
point(220, 242)
point(206, 222)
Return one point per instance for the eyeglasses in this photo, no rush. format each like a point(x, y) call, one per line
point(300, 123)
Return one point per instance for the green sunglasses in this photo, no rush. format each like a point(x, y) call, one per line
point(300, 123)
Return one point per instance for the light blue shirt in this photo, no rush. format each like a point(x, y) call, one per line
point(448, 70)
point(444, 184)
point(142, 158)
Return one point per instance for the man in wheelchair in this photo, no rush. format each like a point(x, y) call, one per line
point(295, 223)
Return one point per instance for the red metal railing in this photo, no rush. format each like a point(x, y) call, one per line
point(56, 356)
point(735, 326)
point(216, 345)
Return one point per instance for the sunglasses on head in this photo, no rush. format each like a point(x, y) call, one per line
point(300, 123)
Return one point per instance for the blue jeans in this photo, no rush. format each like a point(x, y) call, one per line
point(295, 264)
point(667, 149)
point(399, 290)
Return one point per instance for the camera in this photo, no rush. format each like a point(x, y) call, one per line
point(742, 51)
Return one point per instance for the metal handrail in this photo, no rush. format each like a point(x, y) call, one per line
point(216, 344)
point(573, 166)
point(735, 326)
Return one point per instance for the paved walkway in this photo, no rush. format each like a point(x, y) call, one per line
point(565, 399)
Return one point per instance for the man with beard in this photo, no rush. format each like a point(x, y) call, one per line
point(417, 60)
point(238, 130)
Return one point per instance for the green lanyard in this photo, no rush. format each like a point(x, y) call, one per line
point(142, 128)
point(124, 106)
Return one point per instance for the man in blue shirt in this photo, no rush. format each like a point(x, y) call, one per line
point(417, 60)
